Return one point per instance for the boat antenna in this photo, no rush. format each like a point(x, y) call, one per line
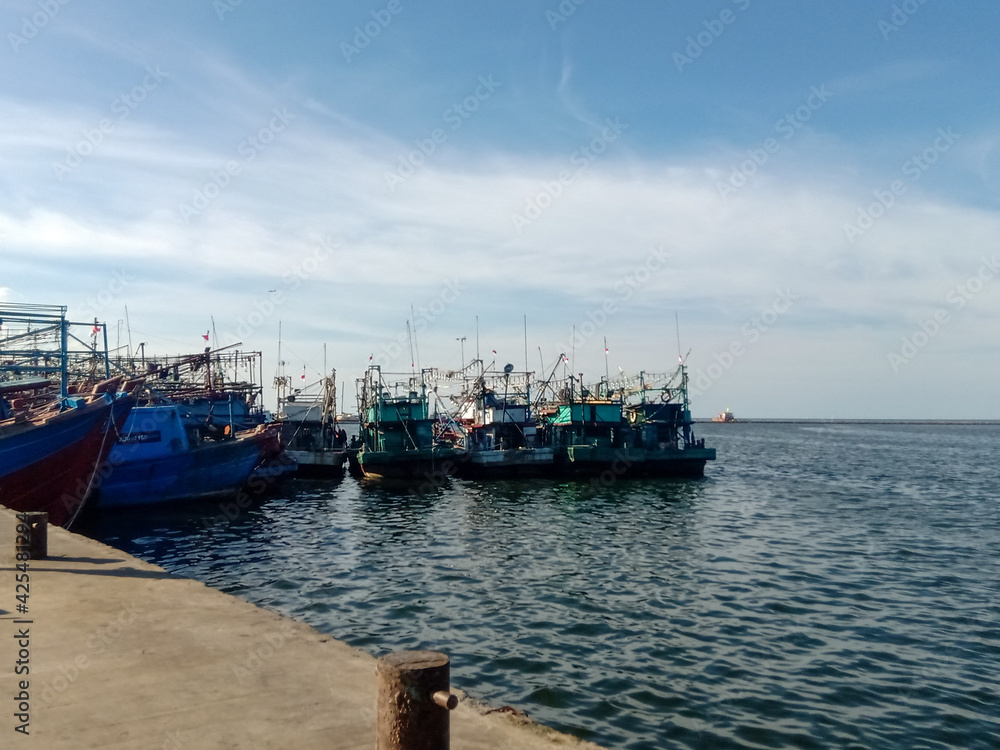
point(677, 324)
point(527, 375)
point(607, 374)
point(525, 344)
point(477, 347)
point(215, 336)
point(572, 364)
point(128, 329)
point(416, 346)
point(409, 337)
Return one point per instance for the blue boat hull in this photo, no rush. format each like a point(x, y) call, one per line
point(211, 470)
point(156, 461)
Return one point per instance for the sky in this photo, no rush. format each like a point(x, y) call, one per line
point(803, 199)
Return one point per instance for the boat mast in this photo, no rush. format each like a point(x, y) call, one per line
point(607, 373)
point(107, 361)
point(409, 338)
point(527, 375)
point(63, 350)
point(280, 383)
point(572, 364)
point(416, 346)
point(128, 330)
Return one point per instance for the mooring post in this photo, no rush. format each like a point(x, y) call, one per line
point(414, 700)
point(33, 534)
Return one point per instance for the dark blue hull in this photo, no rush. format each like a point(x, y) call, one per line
point(210, 470)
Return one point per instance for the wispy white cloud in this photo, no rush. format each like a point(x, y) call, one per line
point(320, 182)
point(888, 75)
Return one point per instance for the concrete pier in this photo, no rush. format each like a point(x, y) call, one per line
point(123, 654)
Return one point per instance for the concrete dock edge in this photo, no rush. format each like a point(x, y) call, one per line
point(122, 654)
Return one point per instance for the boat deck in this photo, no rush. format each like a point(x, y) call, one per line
point(125, 655)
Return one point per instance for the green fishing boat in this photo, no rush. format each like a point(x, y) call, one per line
point(398, 434)
point(633, 429)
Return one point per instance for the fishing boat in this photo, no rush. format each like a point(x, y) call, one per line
point(398, 435)
point(587, 436)
point(598, 432)
point(54, 435)
point(664, 430)
point(199, 432)
point(501, 436)
point(220, 385)
point(160, 457)
point(309, 430)
point(50, 456)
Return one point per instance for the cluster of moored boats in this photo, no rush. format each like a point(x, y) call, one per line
point(492, 428)
point(79, 426)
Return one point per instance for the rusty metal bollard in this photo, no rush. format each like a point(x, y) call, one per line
point(414, 698)
point(33, 534)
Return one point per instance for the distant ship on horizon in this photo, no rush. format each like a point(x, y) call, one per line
point(724, 416)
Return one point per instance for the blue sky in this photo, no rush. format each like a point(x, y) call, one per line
point(813, 189)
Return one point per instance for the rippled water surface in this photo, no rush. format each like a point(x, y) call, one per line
point(824, 586)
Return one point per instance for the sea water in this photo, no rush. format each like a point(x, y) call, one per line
point(823, 586)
